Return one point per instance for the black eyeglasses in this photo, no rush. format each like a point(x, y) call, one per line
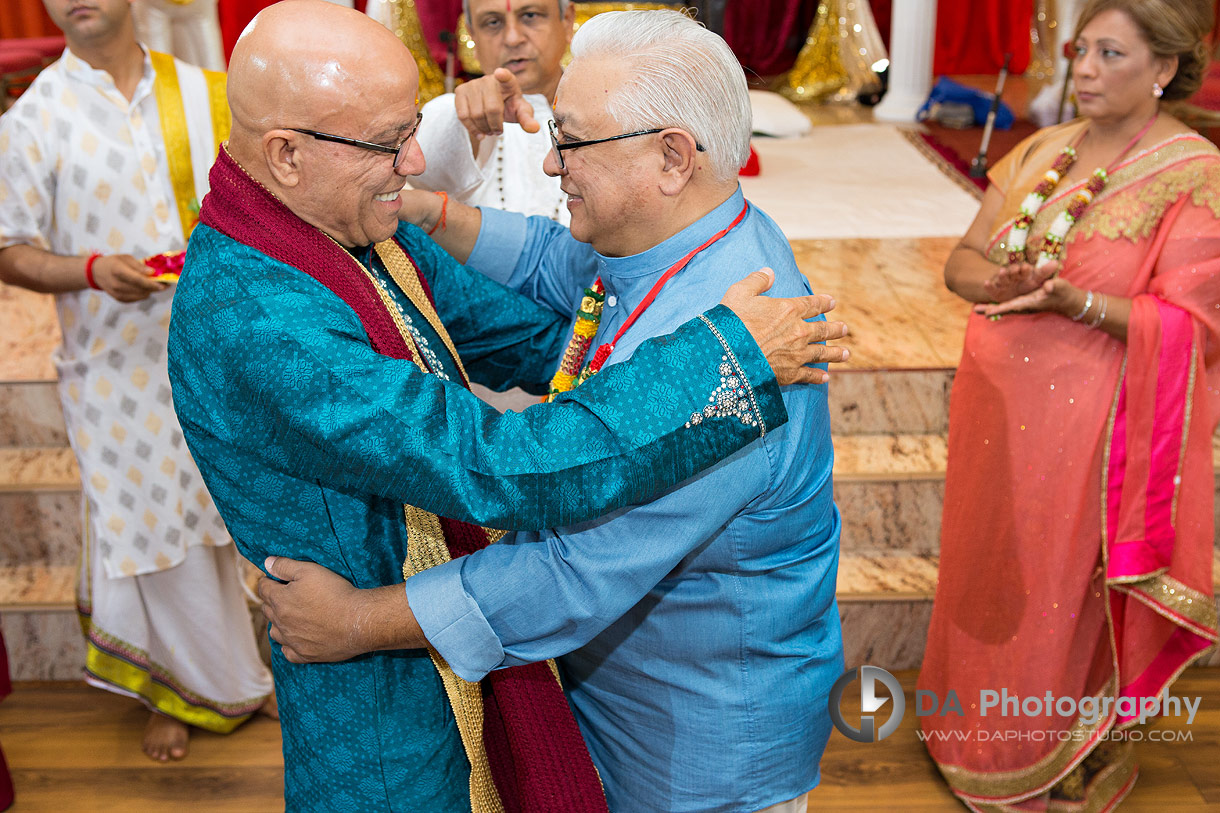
point(571, 145)
point(398, 152)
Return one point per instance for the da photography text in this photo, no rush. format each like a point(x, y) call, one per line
point(1090, 709)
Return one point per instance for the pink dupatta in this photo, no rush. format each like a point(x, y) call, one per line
point(1149, 452)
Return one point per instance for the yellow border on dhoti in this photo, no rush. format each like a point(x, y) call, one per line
point(128, 677)
point(139, 681)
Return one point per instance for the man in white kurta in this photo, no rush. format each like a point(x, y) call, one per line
point(527, 38)
point(89, 170)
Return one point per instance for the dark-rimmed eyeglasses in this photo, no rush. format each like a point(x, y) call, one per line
point(571, 145)
point(398, 152)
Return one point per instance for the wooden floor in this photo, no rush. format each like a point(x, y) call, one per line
point(76, 749)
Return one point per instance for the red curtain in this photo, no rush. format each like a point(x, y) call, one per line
point(972, 36)
point(767, 35)
point(25, 18)
point(882, 13)
point(235, 15)
point(436, 16)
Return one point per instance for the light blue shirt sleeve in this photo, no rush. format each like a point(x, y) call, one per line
point(534, 256)
point(541, 599)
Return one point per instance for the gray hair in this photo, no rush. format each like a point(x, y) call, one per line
point(680, 75)
point(563, 8)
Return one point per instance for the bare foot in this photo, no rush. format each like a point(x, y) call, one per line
point(270, 707)
point(165, 738)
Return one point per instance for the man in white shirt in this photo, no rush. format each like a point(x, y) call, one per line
point(105, 161)
point(520, 40)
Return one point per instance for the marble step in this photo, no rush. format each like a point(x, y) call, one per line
point(41, 628)
point(30, 414)
point(44, 644)
point(40, 506)
point(889, 489)
point(37, 588)
point(885, 603)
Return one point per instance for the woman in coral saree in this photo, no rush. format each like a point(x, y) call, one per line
point(1077, 539)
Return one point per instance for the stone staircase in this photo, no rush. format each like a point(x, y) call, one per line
point(890, 432)
point(889, 428)
point(889, 417)
point(40, 532)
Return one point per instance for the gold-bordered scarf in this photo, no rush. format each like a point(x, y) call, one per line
point(426, 545)
point(172, 112)
point(1183, 164)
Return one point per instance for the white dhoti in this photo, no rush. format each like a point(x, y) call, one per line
point(178, 639)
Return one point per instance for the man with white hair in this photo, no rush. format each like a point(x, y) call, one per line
point(473, 152)
point(699, 633)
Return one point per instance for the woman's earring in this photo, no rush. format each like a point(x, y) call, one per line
point(1157, 91)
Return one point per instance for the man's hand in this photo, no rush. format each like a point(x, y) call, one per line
point(318, 617)
point(779, 327)
point(484, 104)
point(124, 277)
point(420, 207)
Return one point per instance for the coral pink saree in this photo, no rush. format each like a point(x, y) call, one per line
point(1077, 540)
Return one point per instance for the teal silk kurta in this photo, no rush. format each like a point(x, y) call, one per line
point(310, 442)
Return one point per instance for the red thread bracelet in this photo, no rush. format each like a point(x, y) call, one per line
point(441, 224)
point(89, 271)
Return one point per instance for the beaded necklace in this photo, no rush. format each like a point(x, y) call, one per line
point(500, 182)
point(590, 315)
point(1052, 245)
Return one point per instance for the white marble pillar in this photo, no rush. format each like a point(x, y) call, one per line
point(912, 38)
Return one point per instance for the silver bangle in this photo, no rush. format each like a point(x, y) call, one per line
point(1088, 303)
point(1101, 311)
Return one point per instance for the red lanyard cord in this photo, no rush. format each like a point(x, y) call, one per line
point(603, 352)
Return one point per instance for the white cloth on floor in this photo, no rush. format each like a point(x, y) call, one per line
point(797, 805)
point(856, 180)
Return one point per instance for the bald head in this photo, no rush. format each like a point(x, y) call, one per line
point(323, 98)
point(313, 64)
